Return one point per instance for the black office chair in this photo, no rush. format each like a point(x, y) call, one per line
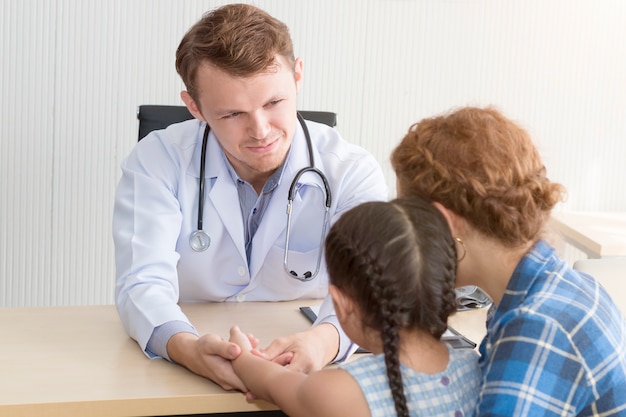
point(153, 117)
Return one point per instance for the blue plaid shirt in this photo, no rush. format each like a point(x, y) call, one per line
point(555, 345)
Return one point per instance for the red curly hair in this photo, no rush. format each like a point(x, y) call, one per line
point(483, 167)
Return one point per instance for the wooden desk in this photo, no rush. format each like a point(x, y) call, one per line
point(598, 234)
point(78, 361)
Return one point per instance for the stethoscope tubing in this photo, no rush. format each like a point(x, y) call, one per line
point(200, 241)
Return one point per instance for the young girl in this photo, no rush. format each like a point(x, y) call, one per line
point(391, 267)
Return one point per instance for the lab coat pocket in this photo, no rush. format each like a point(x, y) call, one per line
point(279, 281)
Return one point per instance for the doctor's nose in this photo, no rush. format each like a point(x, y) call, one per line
point(259, 126)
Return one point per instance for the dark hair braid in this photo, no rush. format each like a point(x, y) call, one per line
point(437, 265)
point(388, 309)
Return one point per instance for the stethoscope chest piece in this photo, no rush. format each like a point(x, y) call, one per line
point(199, 241)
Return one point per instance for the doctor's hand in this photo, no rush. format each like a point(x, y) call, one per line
point(208, 356)
point(307, 351)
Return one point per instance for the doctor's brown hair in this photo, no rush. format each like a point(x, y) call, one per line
point(396, 260)
point(240, 39)
point(483, 167)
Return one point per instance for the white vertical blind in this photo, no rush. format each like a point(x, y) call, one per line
point(74, 71)
point(26, 152)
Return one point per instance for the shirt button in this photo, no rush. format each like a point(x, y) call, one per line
point(241, 271)
point(240, 298)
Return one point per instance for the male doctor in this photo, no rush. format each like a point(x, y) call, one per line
point(242, 78)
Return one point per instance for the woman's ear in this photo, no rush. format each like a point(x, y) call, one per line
point(455, 222)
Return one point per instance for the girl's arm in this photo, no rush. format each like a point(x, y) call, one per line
point(323, 393)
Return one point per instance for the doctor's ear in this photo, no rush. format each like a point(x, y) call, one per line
point(192, 106)
point(298, 73)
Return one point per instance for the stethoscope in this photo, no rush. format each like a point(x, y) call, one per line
point(200, 241)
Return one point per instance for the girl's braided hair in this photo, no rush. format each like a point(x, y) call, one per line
point(397, 261)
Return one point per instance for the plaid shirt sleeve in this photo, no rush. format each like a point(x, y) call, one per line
point(526, 375)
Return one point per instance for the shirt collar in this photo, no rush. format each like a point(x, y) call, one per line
point(527, 271)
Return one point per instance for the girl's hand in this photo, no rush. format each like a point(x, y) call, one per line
point(247, 342)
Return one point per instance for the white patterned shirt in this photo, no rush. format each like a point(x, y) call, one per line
point(451, 393)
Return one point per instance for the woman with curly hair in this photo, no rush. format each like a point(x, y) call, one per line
point(391, 267)
point(555, 339)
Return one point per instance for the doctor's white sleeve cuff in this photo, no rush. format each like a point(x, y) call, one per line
point(346, 346)
point(327, 315)
point(157, 345)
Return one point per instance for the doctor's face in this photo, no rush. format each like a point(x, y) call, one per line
point(253, 118)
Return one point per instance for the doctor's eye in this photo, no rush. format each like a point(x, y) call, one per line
point(231, 115)
point(274, 102)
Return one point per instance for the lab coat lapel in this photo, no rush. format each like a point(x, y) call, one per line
point(223, 195)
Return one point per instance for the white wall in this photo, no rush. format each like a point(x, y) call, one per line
point(73, 72)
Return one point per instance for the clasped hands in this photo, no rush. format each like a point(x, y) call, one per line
point(210, 356)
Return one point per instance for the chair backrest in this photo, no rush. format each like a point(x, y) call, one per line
point(611, 273)
point(153, 117)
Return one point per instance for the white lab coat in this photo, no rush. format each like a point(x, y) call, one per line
point(156, 208)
